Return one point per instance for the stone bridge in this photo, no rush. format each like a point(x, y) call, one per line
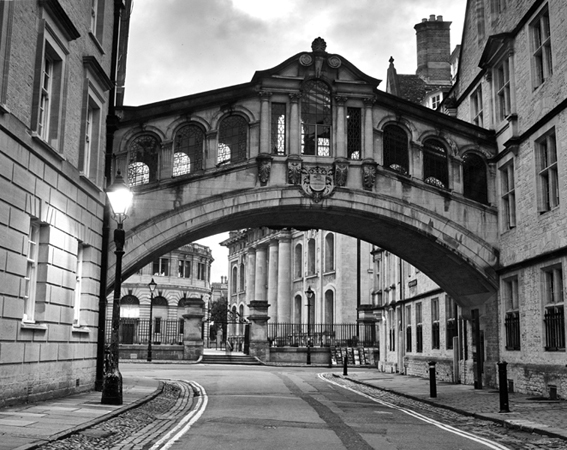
point(312, 143)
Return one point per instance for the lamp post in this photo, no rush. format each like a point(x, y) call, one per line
point(310, 294)
point(120, 199)
point(152, 285)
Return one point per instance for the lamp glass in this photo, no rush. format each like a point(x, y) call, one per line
point(152, 284)
point(120, 197)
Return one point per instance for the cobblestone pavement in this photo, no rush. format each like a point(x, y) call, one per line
point(497, 432)
point(136, 428)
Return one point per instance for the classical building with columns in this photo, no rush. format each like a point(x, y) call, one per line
point(280, 266)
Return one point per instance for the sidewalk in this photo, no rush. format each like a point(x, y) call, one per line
point(528, 413)
point(26, 426)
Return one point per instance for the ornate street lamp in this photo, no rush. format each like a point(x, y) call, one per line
point(152, 285)
point(120, 199)
point(310, 294)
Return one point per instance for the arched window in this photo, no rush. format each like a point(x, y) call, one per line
point(143, 162)
point(329, 252)
point(233, 137)
point(311, 257)
point(234, 279)
point(297, 309)
point(159, 313)
point(395, 143)
point(188, 147)
point(329, 307)
point(475, 179)
point(242, 277)
point(435, 164)
point(316, 119)
point(129, 307)
point(298, 261)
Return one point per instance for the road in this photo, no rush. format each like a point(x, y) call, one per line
point(249, 407)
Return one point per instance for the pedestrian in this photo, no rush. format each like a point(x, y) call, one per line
point(228, 347)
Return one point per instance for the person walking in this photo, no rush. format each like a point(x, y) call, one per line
point(228, 347)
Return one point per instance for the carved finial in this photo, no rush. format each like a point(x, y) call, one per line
point(319, 45)
point(391, 60)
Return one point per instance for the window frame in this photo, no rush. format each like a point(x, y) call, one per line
point(540, 45)
point(278, 113)
point(553, 303)
point(511, 304)
point(508, 194)
point(320, 121)
point(477, 108)
point(547, 171)
point(31, 278)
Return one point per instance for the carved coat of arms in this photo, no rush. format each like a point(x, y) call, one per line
point(317, 182)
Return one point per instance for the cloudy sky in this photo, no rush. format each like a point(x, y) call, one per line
point(182, 47)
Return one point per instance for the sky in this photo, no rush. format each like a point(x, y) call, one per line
point(183, 47)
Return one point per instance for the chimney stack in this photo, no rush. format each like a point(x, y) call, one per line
point(433, 50)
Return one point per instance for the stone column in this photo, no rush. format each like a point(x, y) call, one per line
point(284, 302)
point(340, 137)
point(210, 158)
point(192, 341)
point(260, 275)
point(294, 127)
point(166, 160)
point(258, 318)
point(273, 276)
point(264, 121)
point(251, 275)
point(368, 151)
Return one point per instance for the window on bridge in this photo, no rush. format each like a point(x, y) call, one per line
point(278, 128)
point(475, 181)
point(354, 133)
point(435, 164)
point(233, 137)
point(143, 165)
point(188, 148)
point(316, 119)
point(396, 156)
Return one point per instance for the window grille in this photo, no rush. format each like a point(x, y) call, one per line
point(512, 326)
point(396, 155)
point(316, 118)
point(435, 164)
point(435, 335)
point(418, 328)
point(451, 330)
point(143, 160)
point(475, 179)
point(233, 137)
point(188, 147)
point(354, 133)
point(279, 120)
point(554, 316)
point(408, 329)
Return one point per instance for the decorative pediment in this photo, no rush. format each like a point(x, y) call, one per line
point(496, 46)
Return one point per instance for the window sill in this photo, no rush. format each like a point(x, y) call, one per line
point(80, 330)
point(33, 326)
point(36, 137)
point(96, 42)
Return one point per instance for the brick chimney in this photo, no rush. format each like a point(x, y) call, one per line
point(433, 50)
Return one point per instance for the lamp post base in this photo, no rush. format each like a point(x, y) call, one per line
point(112, 388)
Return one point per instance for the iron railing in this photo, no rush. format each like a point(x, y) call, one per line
point(136, 331)
point(322, 335)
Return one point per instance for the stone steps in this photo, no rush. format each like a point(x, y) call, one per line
point(235, 359)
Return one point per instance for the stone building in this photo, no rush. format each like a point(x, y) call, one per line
point(281, 265)
point(56, 90)
point(181, 274)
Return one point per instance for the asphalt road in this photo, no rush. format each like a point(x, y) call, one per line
point(243, 407)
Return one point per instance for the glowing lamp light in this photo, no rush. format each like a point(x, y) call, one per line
point(120, 197)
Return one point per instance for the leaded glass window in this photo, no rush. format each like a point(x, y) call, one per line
point(396, 155)
point(233, 136)
point(316, 119)
point(278, 128)
point(188, 146)
point(354, 132)
point(435, 166)
point(142, 168)
point(475, 180)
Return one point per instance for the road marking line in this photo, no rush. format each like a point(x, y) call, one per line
point(450, 429)
point(185, 424)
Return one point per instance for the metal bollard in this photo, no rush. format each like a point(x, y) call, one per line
point(345, 365)
point(432, 381)
point(503, 387)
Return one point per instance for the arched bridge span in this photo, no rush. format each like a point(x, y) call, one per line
point(448, 237)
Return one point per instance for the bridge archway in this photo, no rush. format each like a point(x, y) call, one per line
point(459, 257)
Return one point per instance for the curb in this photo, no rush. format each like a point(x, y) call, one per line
point(503, 422)
point(93, 422)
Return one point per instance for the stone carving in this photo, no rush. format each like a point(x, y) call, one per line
point(264, 162)
point(294, 166)
point(340, 168)
point(319, 45)
point(334, 62)
point(305, 59)
point(368, 174)
point(317, 182)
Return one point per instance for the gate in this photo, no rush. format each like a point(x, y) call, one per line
point(232, 328)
